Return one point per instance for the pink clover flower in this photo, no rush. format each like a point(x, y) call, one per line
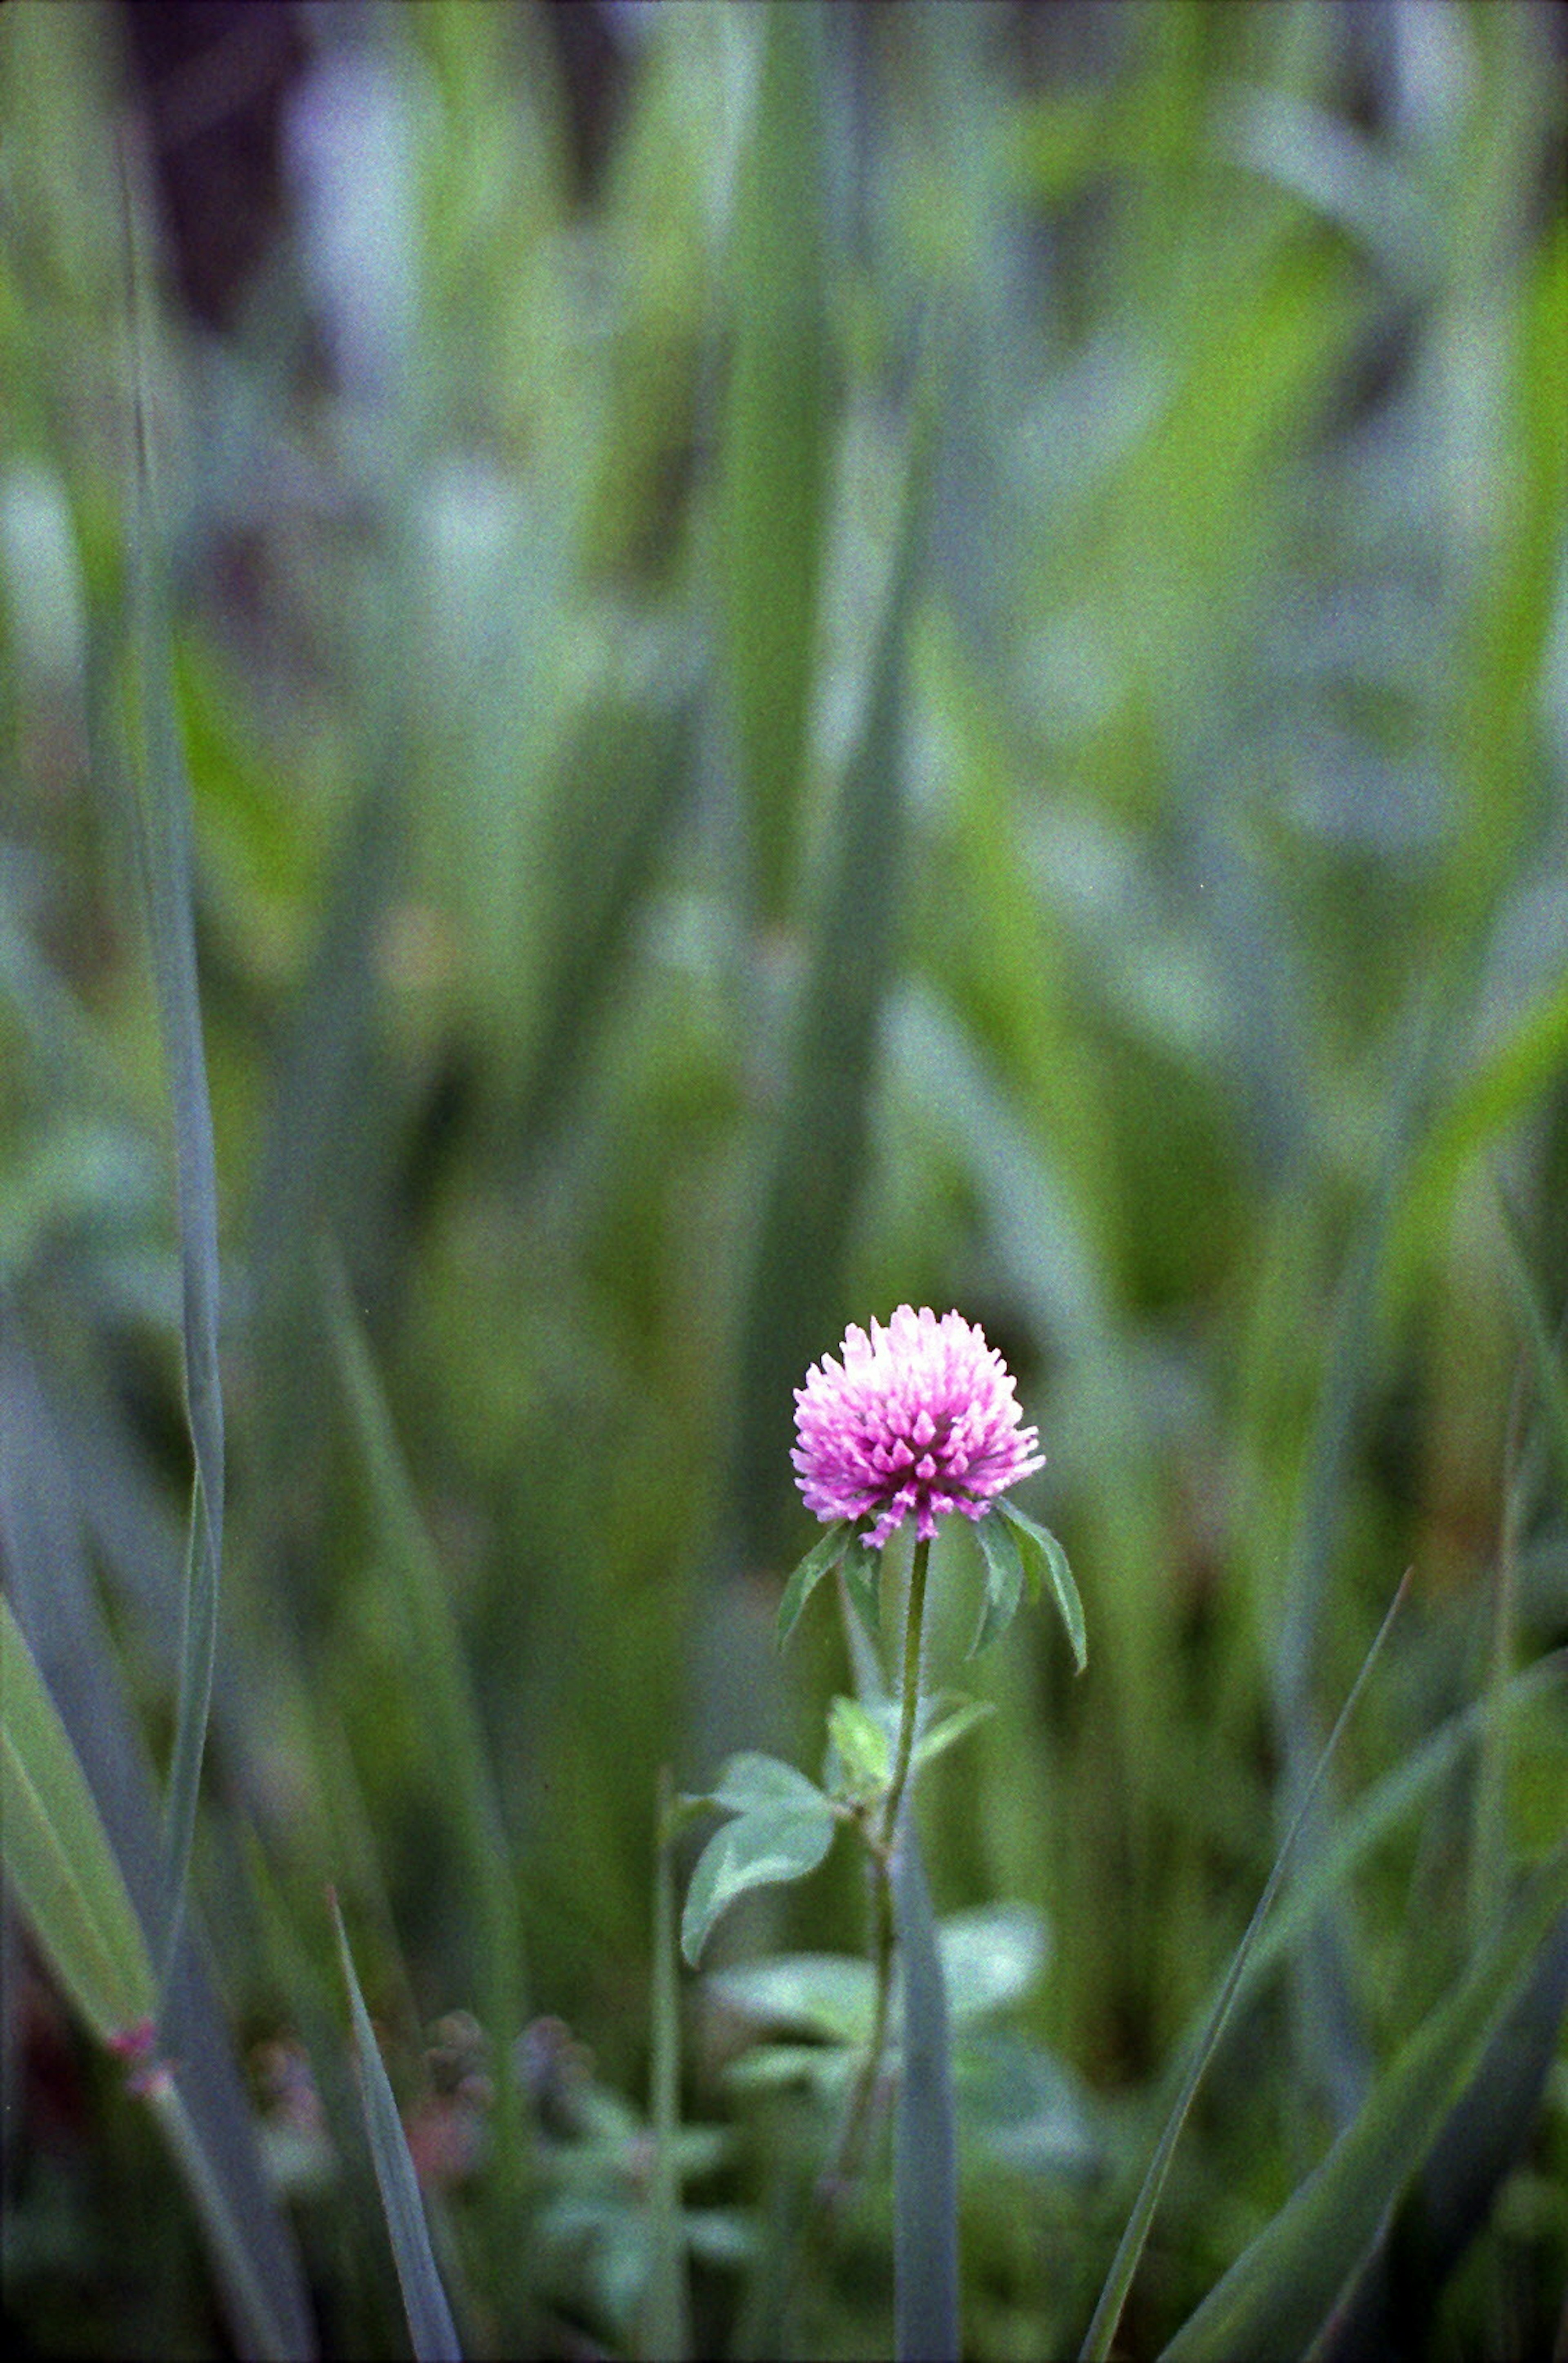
point(918, 1419)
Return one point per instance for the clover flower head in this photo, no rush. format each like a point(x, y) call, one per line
point(918, 1419)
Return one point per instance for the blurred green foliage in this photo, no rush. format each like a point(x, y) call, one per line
point(824, 658)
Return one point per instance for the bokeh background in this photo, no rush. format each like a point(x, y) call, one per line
point(825, 657)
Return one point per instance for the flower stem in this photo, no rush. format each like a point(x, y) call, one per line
point(835, 2182)
point(909, 1716)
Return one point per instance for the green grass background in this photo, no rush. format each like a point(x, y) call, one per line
point(887, 654)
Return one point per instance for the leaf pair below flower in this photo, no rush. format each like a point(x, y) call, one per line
point(1015, 1550)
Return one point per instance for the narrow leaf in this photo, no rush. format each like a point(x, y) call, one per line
point(773, 460)
point(1379, 1810)
point(1546, 1359)
point(925, 2173)
point(439, 1666)
point(1003, 1582)
point(57, 1606)
point(430, 2325)
point(58, 1859)
point(1516, 1071)
point(162, 814)
point(858, 1572)
point(1486, 2137)
point(198, 1657)
point(813, 1185)
point(820, 1561)
point(666, 2312)
point(1042, 1555)
point(1276, 2297)
point(1113, 2297)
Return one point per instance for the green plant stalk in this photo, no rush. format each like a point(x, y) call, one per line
point(1487, 1853)
point(667, 2318)
point(840, 2174)
point(198, 1653)
point(911, 1711)
point(255, 2316)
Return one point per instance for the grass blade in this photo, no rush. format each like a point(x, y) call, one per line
point(457, 1739)
point(49, 1580)
point(1113, 2297)
point(629, 767)
point(430, 2325)
point(1545, 1357)
point(667, 2312)
point(162, 814)
point(813, 1184)
point(1275, 2298)
point(59, 1862)
point(1391, 2306)
point(774, 457)
point(1496, 1095)
point(1330, 2047)
point(925, 2183)
point(1380, 1809)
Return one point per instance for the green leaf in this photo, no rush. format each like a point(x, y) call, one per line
point(430, 2327)
point(1118, 2281)
point(439, 1667)
point(58, 1859)
point(859, 1570)
point(210, 2123)
point(820, 1561)
point(992, 1956)
point(1551, 1386)
point(828, 1994)
point(953, 1727)
point(1514, 1074)
point(162, 819)
point(821, 1154)
point(825, 2069)
point(775, 445)
point(665, 2313)
point(1276, 2296)
point(1486, 2137)
point(771, 1842)
point(750, 1782)
point(1004, 1581)
point(1379, 1810)
point(863, 1744)
point(1043, 1556)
